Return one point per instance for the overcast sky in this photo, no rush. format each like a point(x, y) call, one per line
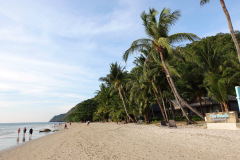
point(52, 52)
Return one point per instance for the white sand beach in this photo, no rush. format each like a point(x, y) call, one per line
point(129, 141)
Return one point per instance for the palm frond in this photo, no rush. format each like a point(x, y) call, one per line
point(137, 45)
point(202, 2)
point(180, 37)
point(164, 43)
point(172, 70)
point(166, 20)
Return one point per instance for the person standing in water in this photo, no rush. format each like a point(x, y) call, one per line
point(30, 134)
point(19, 130)
point(24, 131)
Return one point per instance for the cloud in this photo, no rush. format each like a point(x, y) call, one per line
point(52, 53)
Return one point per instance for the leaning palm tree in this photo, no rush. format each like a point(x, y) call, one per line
point(117, 79)
point(202, 2)
point(148, 71)
point(161, 41)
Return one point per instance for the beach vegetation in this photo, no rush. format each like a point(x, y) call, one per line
point(162, 72)
point(230, 26)
point(206, 67)
point(117, 80)
point(83, 111)
point(160, 41)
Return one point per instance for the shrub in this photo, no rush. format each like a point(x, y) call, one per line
point(154, 122)
point(156, 119)
point(195, 118)
point(180, 118)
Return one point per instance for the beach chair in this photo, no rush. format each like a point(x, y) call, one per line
point(163, 123)
point(140, 122)
point(172, 124)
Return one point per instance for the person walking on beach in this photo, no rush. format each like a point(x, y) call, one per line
point(19, 130)
point(88, 122)
point(65, 127)
point(24, 131)
point(30, 134)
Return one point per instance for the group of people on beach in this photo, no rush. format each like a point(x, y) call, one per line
point(24, 132)
point(65, 126)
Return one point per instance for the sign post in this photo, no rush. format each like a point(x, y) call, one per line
point(238, 95)
point(222, 120)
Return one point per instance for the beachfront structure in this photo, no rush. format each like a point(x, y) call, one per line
point(206, 105)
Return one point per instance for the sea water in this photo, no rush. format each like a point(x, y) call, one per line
point(9, 132)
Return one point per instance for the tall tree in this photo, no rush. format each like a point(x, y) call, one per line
point(161, 41)
point(116, 78)
point(149, 70)
point(202, 2)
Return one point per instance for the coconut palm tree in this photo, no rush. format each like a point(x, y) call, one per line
point(202, 2)
point(161, 41)
point(140, 94)
point(219, 86)
point(149, 70)
point(116, 78)
point(209, 57)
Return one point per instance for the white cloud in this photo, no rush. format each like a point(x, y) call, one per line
point(53, 52)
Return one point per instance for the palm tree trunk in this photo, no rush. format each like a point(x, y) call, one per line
point(225, 106)
point(124, 105)
point(152, 111)
point(145, 118)
point(200, 102)
point(135, 117)
point(172, 108)
point(124, 94)
point(178, 103)
point(159, 104)
point(164, 107)
point(174, 87)
point(231, 28)
point(222, 107)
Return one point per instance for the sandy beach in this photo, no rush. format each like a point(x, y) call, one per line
point(130, 141)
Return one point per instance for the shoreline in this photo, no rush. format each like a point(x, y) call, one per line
point(32, 140)
point(129, 141)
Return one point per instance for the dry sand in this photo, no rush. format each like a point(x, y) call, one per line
point(130, 141)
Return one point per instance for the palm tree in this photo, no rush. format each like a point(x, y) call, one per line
point(104, 100)
point(148, 72)
point(202, 2)
point(215, 62)
point(139, 93)
point(209, 57)
point(116, 78)
point(219, 86)
point(161, 41)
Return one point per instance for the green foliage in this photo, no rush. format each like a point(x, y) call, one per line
point(155, 122)
point(195, 118)
point(83, 111)
point(109, 105)
point(205, 67)
point(156, 119)
point(180, 118)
